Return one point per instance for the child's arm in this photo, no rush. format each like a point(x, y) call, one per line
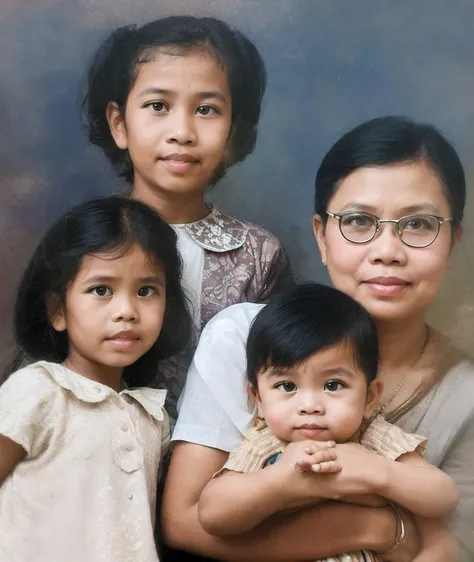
point(10, 455)
point(410, 481)
point(418, 486)
point(438, 544)
point(234, 502)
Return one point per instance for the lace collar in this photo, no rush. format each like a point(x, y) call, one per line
point(218, 232)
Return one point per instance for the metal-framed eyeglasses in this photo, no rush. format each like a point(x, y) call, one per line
point(417, 231)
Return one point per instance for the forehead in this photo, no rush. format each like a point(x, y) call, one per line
point(391, 189)
point(168, 68)
point(131, 263)
point(319, 364)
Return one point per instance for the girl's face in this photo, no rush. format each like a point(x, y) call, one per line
point(113, 312)
point(324, 398)
point(177, 123)
point(391, 280)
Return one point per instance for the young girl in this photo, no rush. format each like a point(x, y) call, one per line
point(81, 437)
point(174, 104)
point(312, 359)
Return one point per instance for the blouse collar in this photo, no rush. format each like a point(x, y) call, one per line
point(218, 232)
point(90, 391)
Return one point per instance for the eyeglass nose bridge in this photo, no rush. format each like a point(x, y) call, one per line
point(396, 222)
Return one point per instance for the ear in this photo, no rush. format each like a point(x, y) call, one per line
point(374, 391)
point(56, 312)
point(318, 229)
point(457, 237)
point(117, 125)
point(253, 392)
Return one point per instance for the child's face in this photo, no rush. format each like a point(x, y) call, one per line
point(177, 123)
point(324, 398)
point(114, 311)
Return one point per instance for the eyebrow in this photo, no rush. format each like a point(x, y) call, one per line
point(408, 210)
point(276, 372)
point(201, 95)
point(111, 279)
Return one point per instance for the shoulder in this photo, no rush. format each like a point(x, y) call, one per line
point(235, 319)
point(456, 375)
point(34, 379)
point(251, 233)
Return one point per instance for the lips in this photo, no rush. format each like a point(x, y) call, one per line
point(178, 163)
point(179, 157)
point(123, 341)
point(386, 286)
point(311, 430)
point(310, 426)
point(124, 335)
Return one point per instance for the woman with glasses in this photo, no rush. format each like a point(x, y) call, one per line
point(389, 203)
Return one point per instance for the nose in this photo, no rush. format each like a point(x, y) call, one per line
point(311, 403)
point(125, 309)
point(386, 247)
point(182, 128)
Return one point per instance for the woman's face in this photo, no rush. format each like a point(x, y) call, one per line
point(391, 280)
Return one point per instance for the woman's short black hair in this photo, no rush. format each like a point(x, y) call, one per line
point(114, 69)
point(308, 319)
point(392, 140)
point(103, 225)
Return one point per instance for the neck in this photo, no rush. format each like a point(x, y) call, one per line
point(110, 376)
point(174, 208)
point(400, 344)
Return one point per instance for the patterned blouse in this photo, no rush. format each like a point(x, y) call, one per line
point(243, 262)
point(261, 448)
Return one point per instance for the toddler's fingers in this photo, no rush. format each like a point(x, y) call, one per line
point(312, 448)
point(325, 467)
point(323, 456)
point(302, 465)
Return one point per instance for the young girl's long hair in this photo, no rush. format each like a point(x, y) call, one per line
point(100, 226)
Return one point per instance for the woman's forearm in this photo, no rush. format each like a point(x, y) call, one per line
point(312, 533)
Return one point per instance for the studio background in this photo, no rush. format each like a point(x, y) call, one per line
point(331, 65)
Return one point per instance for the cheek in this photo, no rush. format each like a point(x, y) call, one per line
point(216, 139)
point(276, 413)
point(343, 262)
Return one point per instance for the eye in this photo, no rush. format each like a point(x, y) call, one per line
point(286, 386)
point(157, 106)
point(333, 386)
point(206, 110)
point(146, 291)
point(101, 291)
point(419, 223)
point(358, 220)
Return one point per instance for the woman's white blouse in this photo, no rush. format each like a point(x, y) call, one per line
point(86, 489)
point(214, 408)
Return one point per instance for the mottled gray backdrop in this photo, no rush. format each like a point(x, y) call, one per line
point(331, 64)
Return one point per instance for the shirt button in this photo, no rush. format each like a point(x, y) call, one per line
point(98, 389)
point(129, 448)
point(124, 427)
point(130, 496)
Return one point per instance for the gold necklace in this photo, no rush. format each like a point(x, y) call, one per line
point(381, 409)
